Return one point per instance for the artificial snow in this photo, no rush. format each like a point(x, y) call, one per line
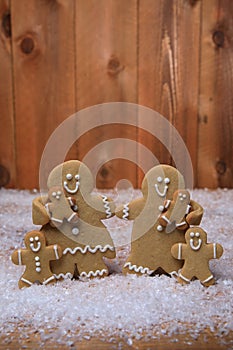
point(117, 305)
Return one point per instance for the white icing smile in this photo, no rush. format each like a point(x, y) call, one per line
point(192, 245)
point(164, 191)
point(77, 183)
point(35, 244)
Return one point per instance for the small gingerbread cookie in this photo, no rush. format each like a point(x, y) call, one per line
point(36, 256)
point(196, 254)
point(59, 207)
point(175, 212)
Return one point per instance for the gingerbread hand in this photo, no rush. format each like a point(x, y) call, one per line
point(59, 207)
point(196, 254)
point(36, 256)
point(175, 212)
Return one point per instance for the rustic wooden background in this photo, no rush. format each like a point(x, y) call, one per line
point(60, 56)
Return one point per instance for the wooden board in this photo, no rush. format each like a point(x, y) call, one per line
point(7, 142)
point(106, 71)
point(169, 33)
point(43, 63)
point(205, 341)
point(215, 166)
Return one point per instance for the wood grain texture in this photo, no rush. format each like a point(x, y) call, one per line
point(215, 166)
point(7, 142)
point(43, 50)
point(169, 33)
point(60, 56)
point(106, 71)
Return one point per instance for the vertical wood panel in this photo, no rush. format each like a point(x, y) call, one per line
point(7, 146)
point(169, 34)
point(106, 67)
point(215, 166)
point(43, 49)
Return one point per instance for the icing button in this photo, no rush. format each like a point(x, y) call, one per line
point(160, 228)
point(75, 231)
point(38, 269)
point(161, 207)
point(37, 258)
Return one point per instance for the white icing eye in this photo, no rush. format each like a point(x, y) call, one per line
point(159, 179)
point(167, 180)
point(37, 258)
point(77, 177)
point(69, 176)
point(54, 194)
point(180, 194)
point(31, 239)
point(184, 196)
point(37, 238)
point(192, 234)
point(197, 234)
point(58, 193)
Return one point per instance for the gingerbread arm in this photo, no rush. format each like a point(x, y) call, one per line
point(215, 250)
point(40, 215)
point(178, 251)
point(195, 215)
point(17, 257)
point(54, 252)
point(130, 210)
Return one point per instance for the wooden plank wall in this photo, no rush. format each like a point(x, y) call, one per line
point(60, 56)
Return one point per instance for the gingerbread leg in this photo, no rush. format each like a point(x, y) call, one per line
point(207, 279)
point(184, 277)
point(23, 282)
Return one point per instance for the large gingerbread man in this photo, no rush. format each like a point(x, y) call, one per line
point(196, 254)
point(151, 244)
point(85, 242)
point(37, 257)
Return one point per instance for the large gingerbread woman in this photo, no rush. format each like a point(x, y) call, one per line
point(37, 257)
point(86, 241)
point(151, 244)
point(196, 254)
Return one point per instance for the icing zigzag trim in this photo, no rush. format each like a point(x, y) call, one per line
point(93, 273)
point(88, 248)
point(107, 207)
point(126, 211)
point(136, 268)
point(67, 275)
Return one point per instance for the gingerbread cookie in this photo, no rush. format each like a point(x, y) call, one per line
point(175, 212)
point(60, 208)
point(86, 242)
point(36, 256)
point(151, 244)
point(196, 254)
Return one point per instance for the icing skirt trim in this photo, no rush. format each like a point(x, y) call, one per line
point(93, 273)
point(136, 268)
point(89, 249)
point(66, 275)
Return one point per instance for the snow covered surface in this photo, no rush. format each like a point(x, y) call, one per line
point(117, 305)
